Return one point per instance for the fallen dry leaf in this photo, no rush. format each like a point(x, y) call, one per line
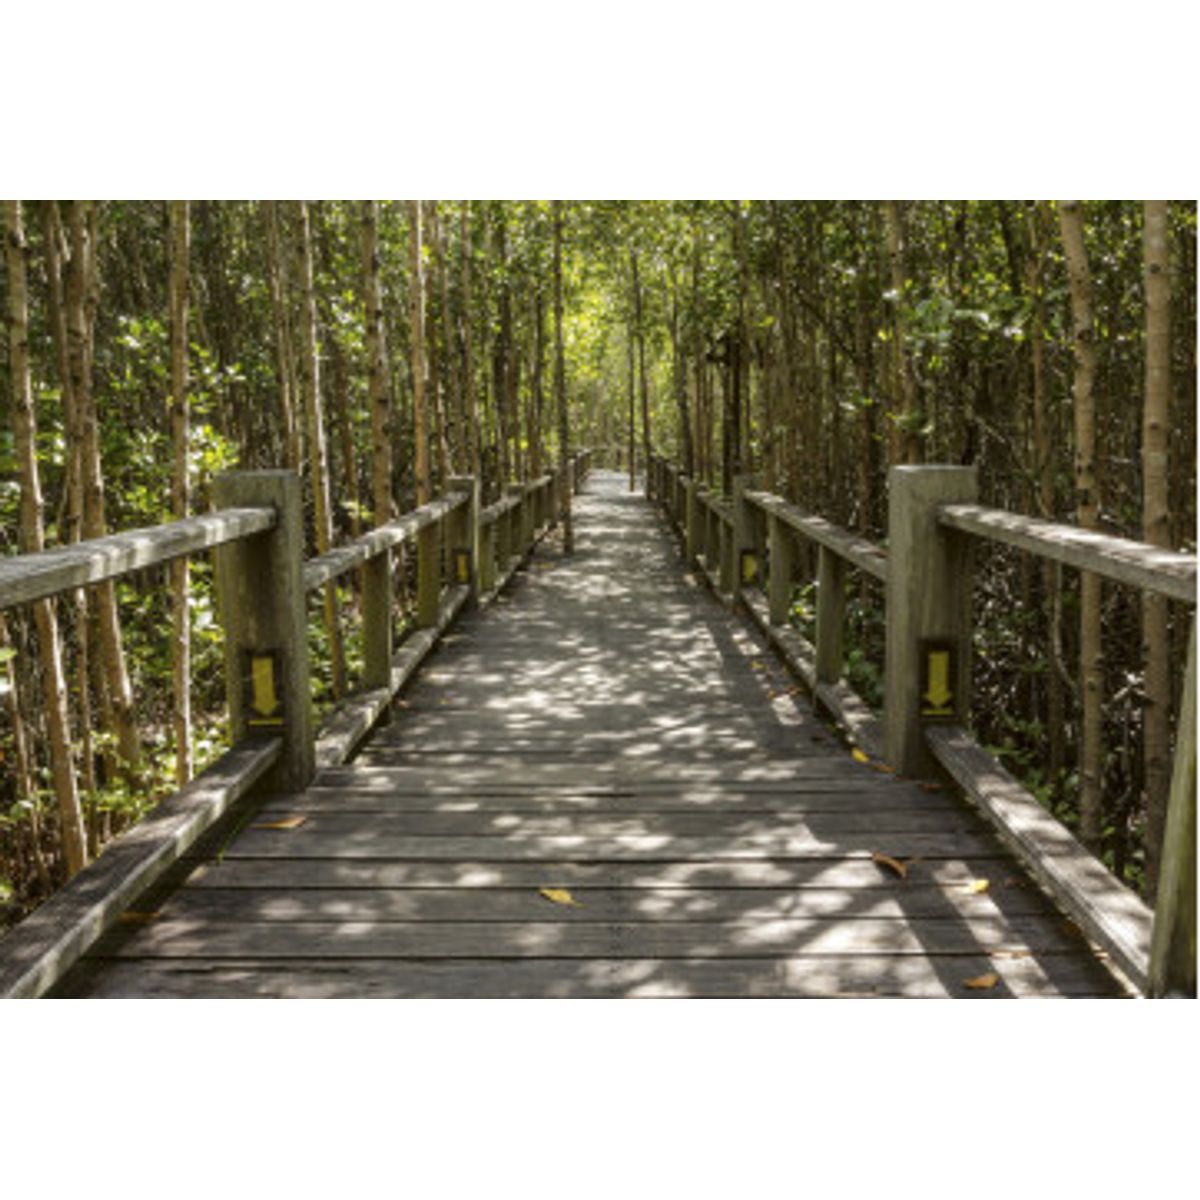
point(930, 787)
point(978, 885)
point(983, 981)
point(892, 864)
point(282, 823)
point(859, 756)
point(132, 917)
point(559, 896)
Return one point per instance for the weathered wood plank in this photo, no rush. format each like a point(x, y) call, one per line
point(849, 874)
point(41, 949)
point(738, 827)
point(593, 904)
point(817, 797)
point(379, 843)
point(753, 938)
point(28, 577)
point(1136, 563)
point(1104, 907)
point(808, 977)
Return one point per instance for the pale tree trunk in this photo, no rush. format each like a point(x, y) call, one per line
point(470, 401)
point(1043, 454)
point(632, 410)
point(451, 412)
point(55, 250)
point(643, 387)
point(438, 429)
point(284, 356)
point(536, 391)
point(32, 541)
point(1156, 530)
point(181, 493)
point(310, 381)
point(1087, 514)
point(417, 324)
point(345, 429)
point(118, 694)
point(377, 374)
point(679, 384)
point(905, 442)
point(560, 384)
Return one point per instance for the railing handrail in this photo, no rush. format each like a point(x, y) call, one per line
point(25, 578)
point(1151, 568)
point(342, 559)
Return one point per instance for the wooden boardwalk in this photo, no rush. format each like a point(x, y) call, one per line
point(609, 730)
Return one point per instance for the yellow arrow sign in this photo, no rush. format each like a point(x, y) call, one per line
point(264, 701)
point(938, 696)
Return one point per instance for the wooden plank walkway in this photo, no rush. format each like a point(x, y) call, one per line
point(608, 729)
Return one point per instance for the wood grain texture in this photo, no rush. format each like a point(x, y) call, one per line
point(28, 577)
point(1150, 568)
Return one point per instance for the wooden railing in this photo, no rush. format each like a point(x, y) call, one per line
point(263, 582)
point(748, 539)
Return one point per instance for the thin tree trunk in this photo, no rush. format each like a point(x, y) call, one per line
point(1043, 450)
point(560, 384)
point(470, 401)
point(417, 324)
point(73, 524)
point(181, 495)
point(310, 383)
point(377, 372)
point(1156, 530)
point(1087, 514)
point(905, 441)
point(80, 307)
point(451, 411)
point(630, 339)
point(539, 355)
point(32, 541)
point(643, 386)
point(284, 357)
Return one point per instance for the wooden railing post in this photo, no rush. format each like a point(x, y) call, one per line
point(831, 614)
point(429, 574)
point(783, 567)
point(1173, 942)
point(928, 668)
point(743, 551)
point(260, 582)
point(463, 534)
point(695, 523)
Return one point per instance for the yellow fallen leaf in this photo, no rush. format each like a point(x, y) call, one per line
point(978, 885)
point(859, 756)
point(892, 864)
point(282, 823)
point(559, 896)
point(982, 981)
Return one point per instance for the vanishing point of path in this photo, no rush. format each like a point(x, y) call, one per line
point(602, 785)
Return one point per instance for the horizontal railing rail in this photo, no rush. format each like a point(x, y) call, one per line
point(1150, 568)
point(926, 570)
point(25, 578)
point(343, 559)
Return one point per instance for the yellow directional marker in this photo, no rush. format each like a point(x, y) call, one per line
point(264, 702)
point(938, 697)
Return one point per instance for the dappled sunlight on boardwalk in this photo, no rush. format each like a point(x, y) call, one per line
point(603, 785)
